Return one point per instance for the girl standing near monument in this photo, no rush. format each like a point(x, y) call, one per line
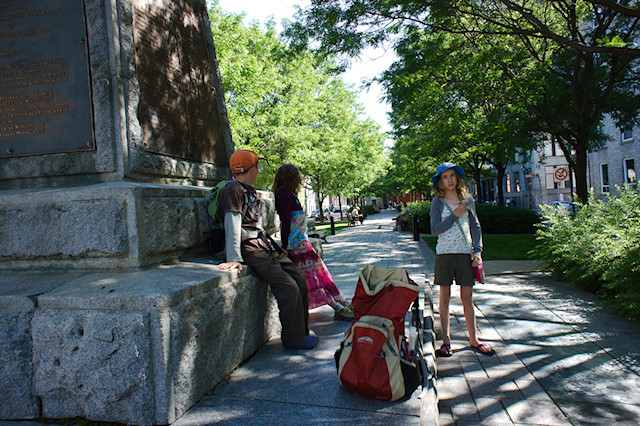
point(295, 241)
point(454, 221)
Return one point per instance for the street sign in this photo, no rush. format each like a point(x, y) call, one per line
point(561, 174)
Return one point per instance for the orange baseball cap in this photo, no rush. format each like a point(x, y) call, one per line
point(242, 160)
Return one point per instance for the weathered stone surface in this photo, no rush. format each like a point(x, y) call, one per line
point(101, 226)
point(17, 291)
point(17, 399)
point(246, 315)
point(139, 346)
point(169, 224)
point(97, 228)
point(93, 364)
point(270, 218)
point(63, 209)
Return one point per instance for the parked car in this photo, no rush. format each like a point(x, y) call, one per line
point(316, 214)
point(560, 205)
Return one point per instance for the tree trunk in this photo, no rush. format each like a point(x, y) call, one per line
point(501, 169)
point(478, 177)
point(580, 169)
point(319, 200)
point(578, 162)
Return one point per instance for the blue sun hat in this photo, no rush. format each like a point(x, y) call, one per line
point(443, 167)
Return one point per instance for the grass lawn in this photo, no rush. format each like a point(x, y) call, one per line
point(500, 246)
point(327, 226)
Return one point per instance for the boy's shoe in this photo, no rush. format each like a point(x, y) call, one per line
point(310, 342)
point(344, 314)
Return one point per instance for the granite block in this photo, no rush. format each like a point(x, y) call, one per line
point(17, 399)
point(94, 364)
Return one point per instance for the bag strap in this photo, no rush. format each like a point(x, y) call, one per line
point(464, 237)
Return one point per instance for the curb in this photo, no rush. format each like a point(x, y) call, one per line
point(429, 412)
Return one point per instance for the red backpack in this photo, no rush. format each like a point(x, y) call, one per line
point(375, 360)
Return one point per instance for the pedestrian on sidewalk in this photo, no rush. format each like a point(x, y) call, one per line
point(455, 222)
point(295, 241)
point(247, 242)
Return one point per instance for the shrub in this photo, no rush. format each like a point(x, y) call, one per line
point(422, 208)
point(599, 249)
point(367, 209)
point(493, 219)
point(506, 220)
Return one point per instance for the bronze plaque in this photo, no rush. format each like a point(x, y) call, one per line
point(178, 108)
point(45, 96)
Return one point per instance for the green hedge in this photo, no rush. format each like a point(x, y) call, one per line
point(506, 220)
point(493, 219)
point(422, 208)
point(368, 208)
point(598, 249)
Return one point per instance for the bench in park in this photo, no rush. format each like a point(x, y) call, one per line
point(351, 220)
point(316, 233)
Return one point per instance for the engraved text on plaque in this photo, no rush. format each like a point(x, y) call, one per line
point(45, 100)
point(178, 108)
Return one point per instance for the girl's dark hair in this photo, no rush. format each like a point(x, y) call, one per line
point(287, 178)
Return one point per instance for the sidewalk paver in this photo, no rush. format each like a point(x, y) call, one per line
point(283, 386)
point(561, 359)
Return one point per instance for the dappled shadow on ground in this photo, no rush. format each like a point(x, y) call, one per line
point(303, 380)
point(560, 358)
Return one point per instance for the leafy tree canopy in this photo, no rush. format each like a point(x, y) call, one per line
point(564, 64)
point(292, 108)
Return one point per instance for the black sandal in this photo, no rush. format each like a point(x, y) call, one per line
point(445, 350)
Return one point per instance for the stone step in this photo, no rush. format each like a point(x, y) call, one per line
point(139, 346)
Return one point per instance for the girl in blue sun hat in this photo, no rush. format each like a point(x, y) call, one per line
point(454, 221)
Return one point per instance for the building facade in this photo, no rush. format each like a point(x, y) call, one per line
point(542, 176)
point(615, 164)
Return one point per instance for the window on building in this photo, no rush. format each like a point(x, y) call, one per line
point(604, 178)
point(508, 179)
point(553, 147)
point(517, 182)
point(630, 171)
point(627, 135)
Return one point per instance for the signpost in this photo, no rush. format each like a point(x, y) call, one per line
point(561, 174)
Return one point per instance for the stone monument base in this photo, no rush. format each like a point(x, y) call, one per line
point(139, 346)
point(108, 225)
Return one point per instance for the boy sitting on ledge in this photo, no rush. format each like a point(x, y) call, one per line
point(247, 242)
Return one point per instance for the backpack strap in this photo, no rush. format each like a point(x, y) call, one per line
point(245, 196)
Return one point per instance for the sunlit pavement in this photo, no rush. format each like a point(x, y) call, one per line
point(283, 386)
point(560, 357)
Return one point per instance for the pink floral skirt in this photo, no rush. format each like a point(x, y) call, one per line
point(322, 289)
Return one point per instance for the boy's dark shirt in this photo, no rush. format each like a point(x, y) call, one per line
point(231, 201)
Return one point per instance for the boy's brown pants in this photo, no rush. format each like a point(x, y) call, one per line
point(289, 287)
